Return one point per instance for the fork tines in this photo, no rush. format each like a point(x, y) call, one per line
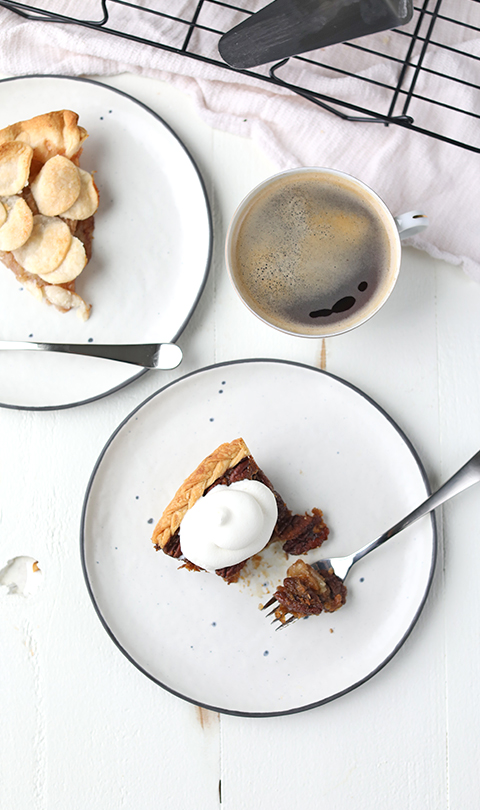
point(286, 623)
point(273, 601)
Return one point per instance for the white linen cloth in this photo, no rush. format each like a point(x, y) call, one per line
point(408, 170)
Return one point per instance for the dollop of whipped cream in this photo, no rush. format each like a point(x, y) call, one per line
point(228, 524)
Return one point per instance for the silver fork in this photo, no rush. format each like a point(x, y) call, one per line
point(466, 476)
point(147, 355)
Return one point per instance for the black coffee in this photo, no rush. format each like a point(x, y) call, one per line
point(314, 253)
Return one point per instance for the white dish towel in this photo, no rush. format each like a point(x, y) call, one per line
point(408, 170)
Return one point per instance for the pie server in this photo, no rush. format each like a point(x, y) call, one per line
point(288, 27)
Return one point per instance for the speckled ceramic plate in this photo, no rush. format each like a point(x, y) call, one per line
point(322, 443)
point(151, 253)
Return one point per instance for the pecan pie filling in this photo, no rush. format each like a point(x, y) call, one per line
point(306, 592)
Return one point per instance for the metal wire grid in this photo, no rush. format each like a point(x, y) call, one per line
point(424, 76)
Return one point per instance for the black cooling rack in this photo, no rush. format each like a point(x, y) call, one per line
point(433, 70)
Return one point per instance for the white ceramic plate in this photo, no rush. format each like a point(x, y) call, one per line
point(151, 250)
point(322, 443)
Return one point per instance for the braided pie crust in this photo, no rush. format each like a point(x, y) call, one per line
point(211, 468)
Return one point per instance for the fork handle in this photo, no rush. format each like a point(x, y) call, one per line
point(466, 476)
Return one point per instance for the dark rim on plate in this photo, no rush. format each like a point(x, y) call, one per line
point(237, 712)
point(210, 228)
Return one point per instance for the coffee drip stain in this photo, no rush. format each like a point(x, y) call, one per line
point(323, 355)
point(206, 717)
point(342, 305)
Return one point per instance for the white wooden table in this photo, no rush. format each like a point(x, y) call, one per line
point(83, 728)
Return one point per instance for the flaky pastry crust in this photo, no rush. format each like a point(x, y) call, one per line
point(49, 134)
point(211, 468)
point(15, 162)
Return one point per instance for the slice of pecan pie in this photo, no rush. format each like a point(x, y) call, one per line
point(47, 207)
point(231, 463)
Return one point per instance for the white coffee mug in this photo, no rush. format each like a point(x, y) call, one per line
point(315, 252)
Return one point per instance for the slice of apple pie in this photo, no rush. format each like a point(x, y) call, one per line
point(47, 207)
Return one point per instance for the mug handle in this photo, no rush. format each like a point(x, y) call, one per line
point(411, 223)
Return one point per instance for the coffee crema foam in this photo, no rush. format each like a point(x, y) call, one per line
point(314, 253)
